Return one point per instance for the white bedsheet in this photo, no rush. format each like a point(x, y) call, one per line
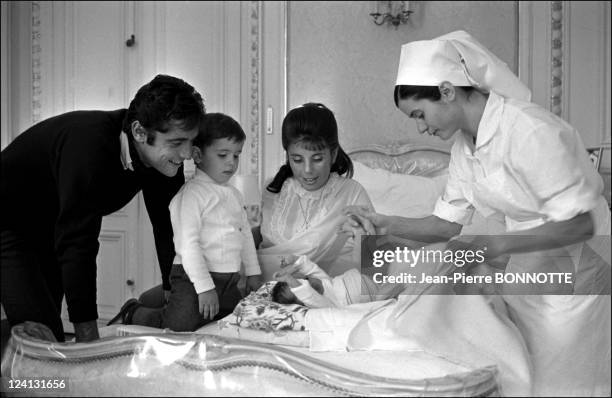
point(465, 329)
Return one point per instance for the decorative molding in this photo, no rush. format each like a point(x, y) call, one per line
point(564, 57)
point(254, 91)
point(556, 60)
point(273, 83)
point(36, 63)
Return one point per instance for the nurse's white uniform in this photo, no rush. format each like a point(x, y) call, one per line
point(531, 167)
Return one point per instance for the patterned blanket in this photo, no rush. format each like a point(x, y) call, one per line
point(258, 311)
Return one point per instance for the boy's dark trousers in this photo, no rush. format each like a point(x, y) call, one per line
point(181, 313)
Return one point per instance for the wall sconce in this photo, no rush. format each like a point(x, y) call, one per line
point(394, 12)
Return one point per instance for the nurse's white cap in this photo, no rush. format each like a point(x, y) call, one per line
point(461, 60)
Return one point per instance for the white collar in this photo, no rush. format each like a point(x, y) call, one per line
point(319, 193)
point(203, 176)
point(126, 159)
point(489, 122)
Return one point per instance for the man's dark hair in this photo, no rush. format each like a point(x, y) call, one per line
point(163, 102)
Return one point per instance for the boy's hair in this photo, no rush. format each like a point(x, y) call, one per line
point(164, 101)
point(215, 126)
point(279, 294)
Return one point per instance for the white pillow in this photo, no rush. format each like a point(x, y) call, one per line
point(400, 194)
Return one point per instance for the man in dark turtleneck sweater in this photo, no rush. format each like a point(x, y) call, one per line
point(61, 176)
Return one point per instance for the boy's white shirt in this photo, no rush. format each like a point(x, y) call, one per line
point(211, 231)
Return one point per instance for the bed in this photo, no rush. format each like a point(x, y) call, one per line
point(287, 353)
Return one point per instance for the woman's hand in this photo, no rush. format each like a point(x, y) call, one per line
point(208, 303)
point(361, 217)
point(253, 283)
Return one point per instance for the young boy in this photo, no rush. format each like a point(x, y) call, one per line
point(212, 236)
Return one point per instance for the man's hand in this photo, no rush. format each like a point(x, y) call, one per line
point(253, 283)
point(86, 331)
point(208, 303)
point(38, 331)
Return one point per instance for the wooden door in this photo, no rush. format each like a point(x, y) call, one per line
point(87, 65)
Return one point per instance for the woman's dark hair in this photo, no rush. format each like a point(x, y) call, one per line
point(163, 101)
point(432, 93)
point(218, 125)
point(314, 125)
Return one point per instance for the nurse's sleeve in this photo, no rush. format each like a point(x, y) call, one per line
point(552, 164)
point(453, 206)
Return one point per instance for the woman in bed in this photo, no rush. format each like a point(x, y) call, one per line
point(303, 203)
point(514, 158)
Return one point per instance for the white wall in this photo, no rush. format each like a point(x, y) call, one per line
point(4, 70)
point(338, 56)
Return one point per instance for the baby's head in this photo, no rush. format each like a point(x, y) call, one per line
point(218, 146)
point(282, 294)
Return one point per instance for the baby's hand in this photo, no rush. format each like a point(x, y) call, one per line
point(283, 276)
point(288, 260)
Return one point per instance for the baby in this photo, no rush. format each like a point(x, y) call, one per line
point(316, 289)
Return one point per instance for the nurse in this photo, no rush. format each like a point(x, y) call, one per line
point(514, 160)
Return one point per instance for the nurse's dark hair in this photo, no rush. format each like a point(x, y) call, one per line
point(164, 102)
point(314, 126)
point(214, 126)
point(431, 93)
